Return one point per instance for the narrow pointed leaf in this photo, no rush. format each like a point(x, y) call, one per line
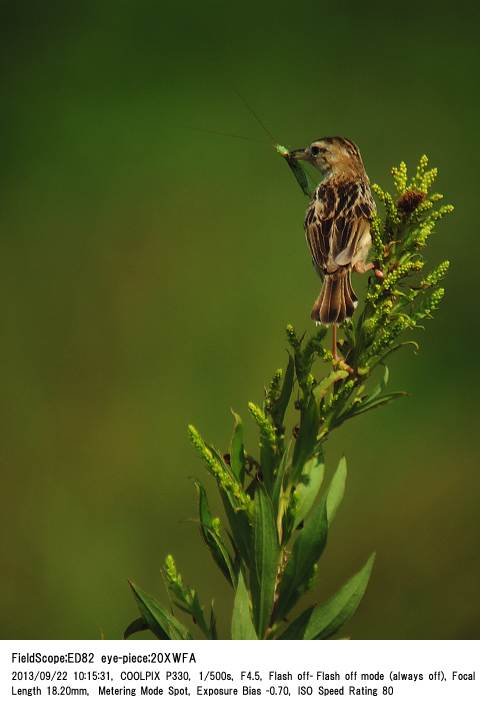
point(240, 528)
point(280, 406)
point(212, 539)
point(267, 461)
point(309, 486)
point(380, 360)
point(265, 561)
point(162, 624)
point(336, 489)
point(307, 549)
point(360, 408)
point(279, 477)
point(296, 629)
point(136, 626)
point(374, 403)
point(329, 617)
point(220, 555)
point(380, 387)
point(196, 612)
point(242, 624)
point(237, 451)
point(213, 624)
point(385, 378)
point(307, 436)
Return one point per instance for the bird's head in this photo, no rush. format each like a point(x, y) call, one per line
point(331, 155)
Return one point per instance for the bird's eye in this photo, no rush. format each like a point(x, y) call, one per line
point(314, 150)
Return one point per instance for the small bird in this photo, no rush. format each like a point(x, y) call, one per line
point(337, 225)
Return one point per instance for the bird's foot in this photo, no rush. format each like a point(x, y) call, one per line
point(339, 363)
point(360, 267)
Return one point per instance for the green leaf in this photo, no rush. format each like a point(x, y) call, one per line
point(211, 537)
point(307, 549)
point(385, 378)
point(358, 408)
point(307, 490)
point(240, 527)
point(237, 451)
point(279, 477)
point(380, 388)
point(267, 461)
point(136, 626)
point(296, 629)
point(380, 359)
point(213, 624)
point(196, 612)
point(336, 489)
point(185, 597)
point(280, 405)
point(374, 403)
point(307, 436)
point(265, 561)
point(220, 555)
point(162, 624)
point(329, 617)
point(242, 624)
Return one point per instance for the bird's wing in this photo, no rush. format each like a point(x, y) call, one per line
point(336, 219)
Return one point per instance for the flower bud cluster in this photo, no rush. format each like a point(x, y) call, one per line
point(392, 218)
point(428, 179)
point(422, 166)
point(226, 481)
point(273, 390)
point(399, 175)
point(377, 242)
point(265, 425)
point(436, 275)
point(388, 334)
point(430, 304)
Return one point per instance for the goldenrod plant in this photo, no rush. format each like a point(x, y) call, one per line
point(278, 502)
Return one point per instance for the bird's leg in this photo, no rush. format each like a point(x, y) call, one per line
point(338, 361)
point(360, 267)
point(334, 342)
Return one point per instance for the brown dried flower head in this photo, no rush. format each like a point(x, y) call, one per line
point(409, 201)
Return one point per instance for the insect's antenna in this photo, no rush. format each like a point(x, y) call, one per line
point(254, 114)
point(226, 135)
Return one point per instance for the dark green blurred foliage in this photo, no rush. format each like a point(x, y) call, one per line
point(143, 260)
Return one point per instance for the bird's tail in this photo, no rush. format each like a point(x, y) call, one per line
point(337, 300)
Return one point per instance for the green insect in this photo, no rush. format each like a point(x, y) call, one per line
point(306, 183)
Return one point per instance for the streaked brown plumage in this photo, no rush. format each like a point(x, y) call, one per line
point(337, 224)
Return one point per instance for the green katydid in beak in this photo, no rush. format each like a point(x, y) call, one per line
point(306, 183)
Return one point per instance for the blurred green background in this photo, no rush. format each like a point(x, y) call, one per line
point(148, 269)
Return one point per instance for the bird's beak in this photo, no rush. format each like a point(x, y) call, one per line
point(301, 154)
